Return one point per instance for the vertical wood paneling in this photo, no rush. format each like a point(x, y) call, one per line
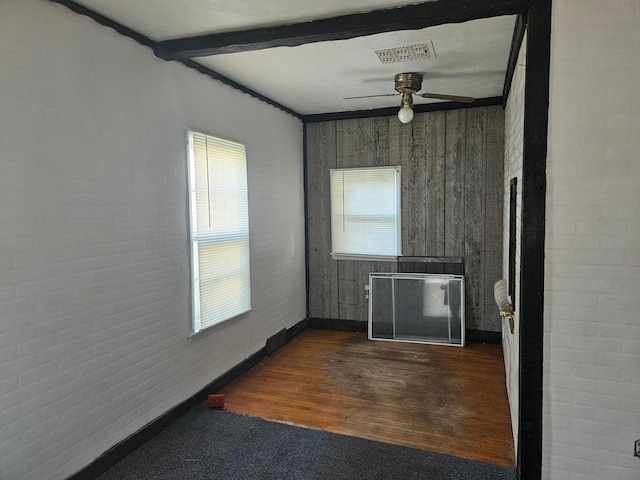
point(400, 150)
point(474, 206)
point(369, 143)
point(380, 141)
point(494, 199)
point(414, 170)
point(323, 278)
point(365, 147)
point(451, 202)
point(346, 146)
point(456, 123)
point(382, 157)
point(348, 150)
point(434, 141)
point(347, 295)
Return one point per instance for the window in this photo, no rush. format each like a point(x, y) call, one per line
point(219, 230)
point(365, 213)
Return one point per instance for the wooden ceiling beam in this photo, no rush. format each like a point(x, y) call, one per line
point(107, 22)
point(410, 17)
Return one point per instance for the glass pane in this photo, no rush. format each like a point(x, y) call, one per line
point(365, 211)
point(417, 308)
point(455, 300)
point(219, 229)
point(381, 308)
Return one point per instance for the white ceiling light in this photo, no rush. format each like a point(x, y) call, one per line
point(405, 114)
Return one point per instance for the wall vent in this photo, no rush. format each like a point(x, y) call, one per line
point(406, 53)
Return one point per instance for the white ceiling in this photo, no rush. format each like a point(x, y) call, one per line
point(470, 58)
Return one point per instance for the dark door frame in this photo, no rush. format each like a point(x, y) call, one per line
point(531, 294)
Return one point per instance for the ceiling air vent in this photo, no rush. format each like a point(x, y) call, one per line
point(406, 53)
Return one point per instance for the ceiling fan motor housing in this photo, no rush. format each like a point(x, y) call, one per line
point(408, 82)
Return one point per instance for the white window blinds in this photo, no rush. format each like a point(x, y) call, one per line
point(365, 212)
point(219, 230)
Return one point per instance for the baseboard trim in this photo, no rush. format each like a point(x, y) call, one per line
point(128, 445)
point(481, 336)
point(472, 336)
point(337, 324)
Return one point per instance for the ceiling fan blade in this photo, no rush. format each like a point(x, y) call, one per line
point(370, 96)
point(441, 96)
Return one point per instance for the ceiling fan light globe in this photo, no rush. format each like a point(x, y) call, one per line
point(405, 114)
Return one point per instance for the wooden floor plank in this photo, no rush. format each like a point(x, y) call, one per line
point(437, 398)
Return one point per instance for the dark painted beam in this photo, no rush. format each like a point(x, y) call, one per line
point(387, 112)
point(410, 17)
point(107, 22)
point(238, 86)
point(534, 184)
point(147, 42)
point(516, 42)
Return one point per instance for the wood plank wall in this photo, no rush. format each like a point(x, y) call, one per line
point(452, 182)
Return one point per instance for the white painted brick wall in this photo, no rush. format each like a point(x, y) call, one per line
point(94, 273)
point(514, 129)
point(591, 413)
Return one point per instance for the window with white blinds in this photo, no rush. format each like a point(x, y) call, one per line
point(219, 230)
point(365, 213)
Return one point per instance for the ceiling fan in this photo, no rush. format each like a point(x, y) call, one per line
point(407, 85)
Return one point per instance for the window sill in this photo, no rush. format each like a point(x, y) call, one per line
point(209, 328)
point(364, 258)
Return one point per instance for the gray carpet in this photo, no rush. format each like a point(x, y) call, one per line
point(211, 444)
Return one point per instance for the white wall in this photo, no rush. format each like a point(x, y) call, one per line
point(513, 148)
point(94, 276)
point(591, 413)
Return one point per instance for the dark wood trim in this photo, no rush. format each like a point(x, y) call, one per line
point(481, 336)
point(536, 118)
point(410, 17)
point(277, 341)
point(337, 324)
point(516, 42)
point(227, 81)
point(305, 194)
point(107, 22)
point(472, 336)
point(391, 111)
point(296, 329)
point(124, 448)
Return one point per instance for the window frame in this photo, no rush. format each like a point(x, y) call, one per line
point(397, 217)
point(196, 238)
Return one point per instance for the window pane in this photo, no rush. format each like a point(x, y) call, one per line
point(365, 211)
point(219, 230)
point(224, 280)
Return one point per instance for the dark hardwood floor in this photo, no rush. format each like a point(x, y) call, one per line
point(439, 398)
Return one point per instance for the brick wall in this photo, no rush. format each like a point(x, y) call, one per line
point(591, 411)
point(94, 270)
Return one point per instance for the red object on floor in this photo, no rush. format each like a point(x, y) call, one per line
point(216, 400)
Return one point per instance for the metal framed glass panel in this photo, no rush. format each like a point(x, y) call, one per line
point(422, 308)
